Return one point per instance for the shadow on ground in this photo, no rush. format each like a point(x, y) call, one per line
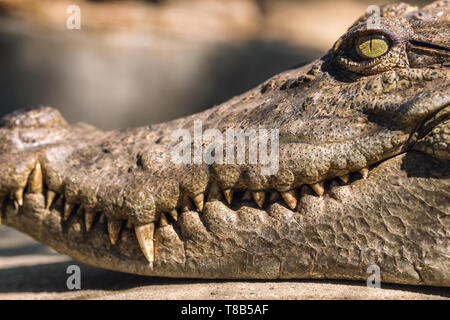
point(52, 277)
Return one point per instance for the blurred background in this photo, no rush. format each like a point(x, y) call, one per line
point(138, 62)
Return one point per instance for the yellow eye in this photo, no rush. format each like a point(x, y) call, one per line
point(372, 46)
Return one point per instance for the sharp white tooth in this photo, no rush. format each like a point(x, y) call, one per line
point(214, 192)
point(163, 220)
point(36, 182)
point(50, 197)
point(68, 207)
point(174, 214)
point(290, 198)
point(259, 197)
point(274, 196)
point(198, 200)
point(247, 196)
point(144, 235)
point(228, 193)
point(114, 230)
point(344, 178)
point(89, 216)
point(318, 188)
point(364, 172)
point(18, 197)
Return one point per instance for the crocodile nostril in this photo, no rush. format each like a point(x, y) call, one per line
point(37, 117)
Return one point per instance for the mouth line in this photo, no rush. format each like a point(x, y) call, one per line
point(91, 222)
point(440, 116)
point(430, 46)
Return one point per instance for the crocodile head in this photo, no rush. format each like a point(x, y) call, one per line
point(359, 146)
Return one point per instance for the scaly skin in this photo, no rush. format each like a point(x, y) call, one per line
point(116, 200)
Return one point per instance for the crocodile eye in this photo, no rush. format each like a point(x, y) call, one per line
point(371, 46)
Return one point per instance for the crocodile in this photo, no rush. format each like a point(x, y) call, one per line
point(361, 178)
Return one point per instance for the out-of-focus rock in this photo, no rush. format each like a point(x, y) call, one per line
point(133, 63)
point(139, 62)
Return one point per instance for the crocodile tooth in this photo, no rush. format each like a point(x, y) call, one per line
point(274, 196)
point(344, 178)
point(50, 197)
point(114, 230)
point(259, 197)
point(290, 198)
point(228, 195)
point(174, 214)
point(304, 190)
point(36, 182)
point(318, 188)
point(334, 183)
point(364, 172)
point(102, 218)
point(163, 220)
point(89, 216)
point(185, 204)
point(129, 224)
point(144, 235)
point(68, 207)
point(18, 198)
point(247, 195)
point(214, 192)
point(198, 200)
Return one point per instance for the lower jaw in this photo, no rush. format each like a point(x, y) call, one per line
point(397, 219)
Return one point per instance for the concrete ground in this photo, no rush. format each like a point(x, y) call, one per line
point(29, 270)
